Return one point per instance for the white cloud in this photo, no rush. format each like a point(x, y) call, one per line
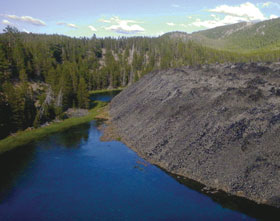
point(24, 30)
point(116, 19)
point(105, 21)
point(170, 24)
point(6, 22)
point(214, 16)
point(273, 16)
point(270, 5)
point(158, 34)
point(72, 25)
point(92, 28)
point(227, 20)
point(67, 25)
point(123, 26)
point(175, 6)
point(266, 4)
point(246, 10)
point(183, 25)
point(26, 19)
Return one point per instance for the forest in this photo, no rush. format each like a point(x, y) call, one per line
point(41, 76)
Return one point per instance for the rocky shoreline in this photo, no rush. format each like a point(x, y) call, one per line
point(215, 124)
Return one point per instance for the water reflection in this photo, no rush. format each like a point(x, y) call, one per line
point(70, 138)
point(12, 165)
point(248, 207)
point(74, 137)
point(72, 174)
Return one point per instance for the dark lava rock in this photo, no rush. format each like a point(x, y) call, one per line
point(217, 125)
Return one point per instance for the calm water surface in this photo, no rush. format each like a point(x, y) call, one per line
point(73, 176)
point(105, 96)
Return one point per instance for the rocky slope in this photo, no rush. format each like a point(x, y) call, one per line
point(216, 124)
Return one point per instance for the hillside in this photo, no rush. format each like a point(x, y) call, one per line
point(241, 37)
point(218, 125)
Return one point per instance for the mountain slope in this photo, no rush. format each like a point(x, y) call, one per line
point(218, 125)
point(262, 35)
point(241, 37)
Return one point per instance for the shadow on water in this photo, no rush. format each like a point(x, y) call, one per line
point(12, 165)
point(248, 207)
point(70, 138)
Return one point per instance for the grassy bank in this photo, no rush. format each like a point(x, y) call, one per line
point(105, 91)
point(24, 137)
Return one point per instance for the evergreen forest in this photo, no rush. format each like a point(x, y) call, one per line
point(41, 76)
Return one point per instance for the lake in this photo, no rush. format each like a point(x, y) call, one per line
point(72, 175)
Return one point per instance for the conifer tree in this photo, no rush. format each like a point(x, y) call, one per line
point(82, 95)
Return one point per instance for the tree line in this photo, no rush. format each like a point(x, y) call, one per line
point(41, 76)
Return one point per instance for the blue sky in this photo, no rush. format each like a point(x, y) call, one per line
point(130, 18)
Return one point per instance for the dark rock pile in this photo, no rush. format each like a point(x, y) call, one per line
point(216, 124)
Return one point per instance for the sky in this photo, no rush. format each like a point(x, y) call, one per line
point(84, 18)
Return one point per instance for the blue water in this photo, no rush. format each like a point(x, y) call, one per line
point(105, 96)
point(72, 175)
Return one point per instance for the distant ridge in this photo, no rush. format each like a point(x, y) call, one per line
point(244, 36)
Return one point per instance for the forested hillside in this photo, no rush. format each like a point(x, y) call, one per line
point(242, 37)
point(41, 76)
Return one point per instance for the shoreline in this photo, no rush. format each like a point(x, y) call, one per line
point(22, 138)
point(237, 202)
point(105, 91)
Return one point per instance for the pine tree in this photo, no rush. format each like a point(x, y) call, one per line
point(5, 72)
point(5, 116)
point(66, 86)
point(23, 76)
point(83, 95)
